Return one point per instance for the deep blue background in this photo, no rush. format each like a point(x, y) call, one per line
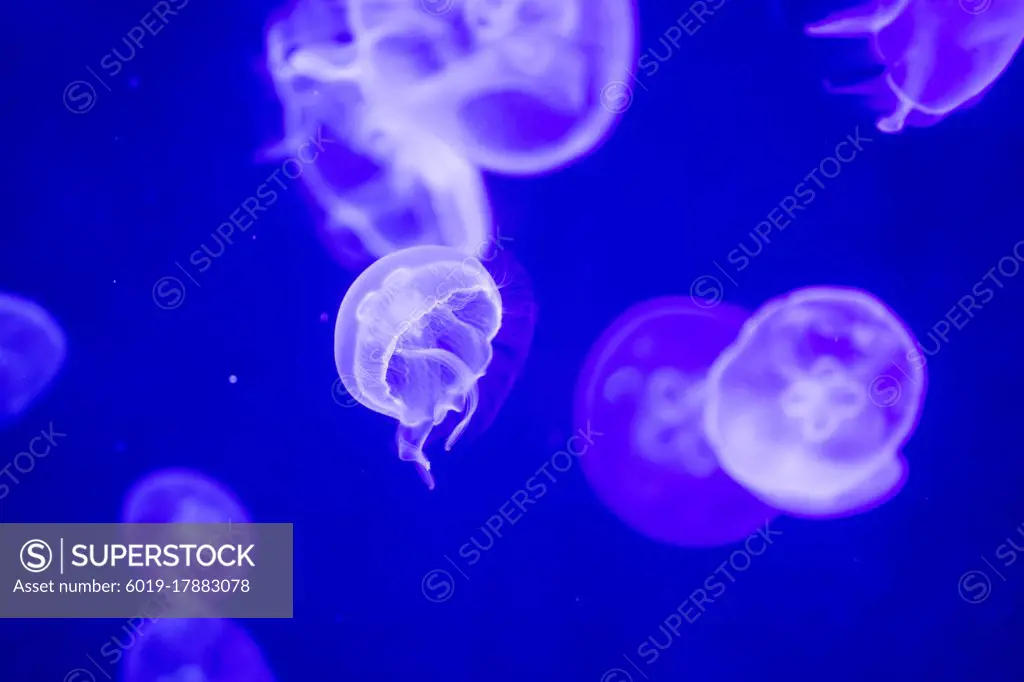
point(99, 206)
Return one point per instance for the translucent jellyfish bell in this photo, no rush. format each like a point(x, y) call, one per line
point(939, 55)
point(32, 350)
point(643, 386)
point(790, 409)
point(412, 339)
point(383, 184)
point(184, 650)
point(519, 85)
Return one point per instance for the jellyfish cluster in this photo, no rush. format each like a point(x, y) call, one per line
point(721, 420)
point(188, 649)
point(32, 350)
point(419, 98)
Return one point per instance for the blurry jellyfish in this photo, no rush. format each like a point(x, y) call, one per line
point(792, 411)
point(938, 55)
point(32, 350)
point(643, 385)
point(382, 184)
point(413, 338)
point(182, 496)
point(519, 86)
point(194, 650)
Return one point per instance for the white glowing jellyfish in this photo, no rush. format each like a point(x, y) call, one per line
point(791, 409)
point(32, 351)
point(938, 55)
point(382, 183)
point(518, 86)
point(412, 339)
point(192, 650)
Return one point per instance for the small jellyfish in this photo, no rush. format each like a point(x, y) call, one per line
point(644, 386)
point(382, 183)
point(519, 86)
point(938, 56)
point(194, 650)
point(182, 496)
point(32, 350)
point(413, 338)
point(793, 409)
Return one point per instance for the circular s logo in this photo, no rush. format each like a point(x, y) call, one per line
point(438, 586)
point(36, 556)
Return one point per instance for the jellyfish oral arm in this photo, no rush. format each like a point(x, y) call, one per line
point(411, 440)
point(468, 412)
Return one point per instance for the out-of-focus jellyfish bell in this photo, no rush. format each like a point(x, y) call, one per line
point(382, 183)
point(518, 85)
point(412, 339)
point(792, 406)
point(938, 55)
point(182, 496)
point(643, 386)
point(188, 650)
point(32, 350)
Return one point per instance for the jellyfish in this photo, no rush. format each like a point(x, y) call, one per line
point(644, 385)
point(791, 406)
point(194, 650)
point(938, 56)
point(186, 497)
point(32, 350)
point(413, 338)
point(518, 86)
point(381, 183)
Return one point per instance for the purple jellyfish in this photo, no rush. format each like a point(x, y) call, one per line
point(382, 183)
point(792, 406)
point(191, 650)
point(939, 55)
point(414, 337)
point(32, 350)
point(182, 496)
point(644, 385)
point(519, 86)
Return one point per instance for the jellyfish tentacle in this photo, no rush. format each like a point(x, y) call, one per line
point(411, 439)
point(859, 21)
point(472, 400)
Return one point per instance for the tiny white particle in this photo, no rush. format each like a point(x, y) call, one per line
point(232, 379)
